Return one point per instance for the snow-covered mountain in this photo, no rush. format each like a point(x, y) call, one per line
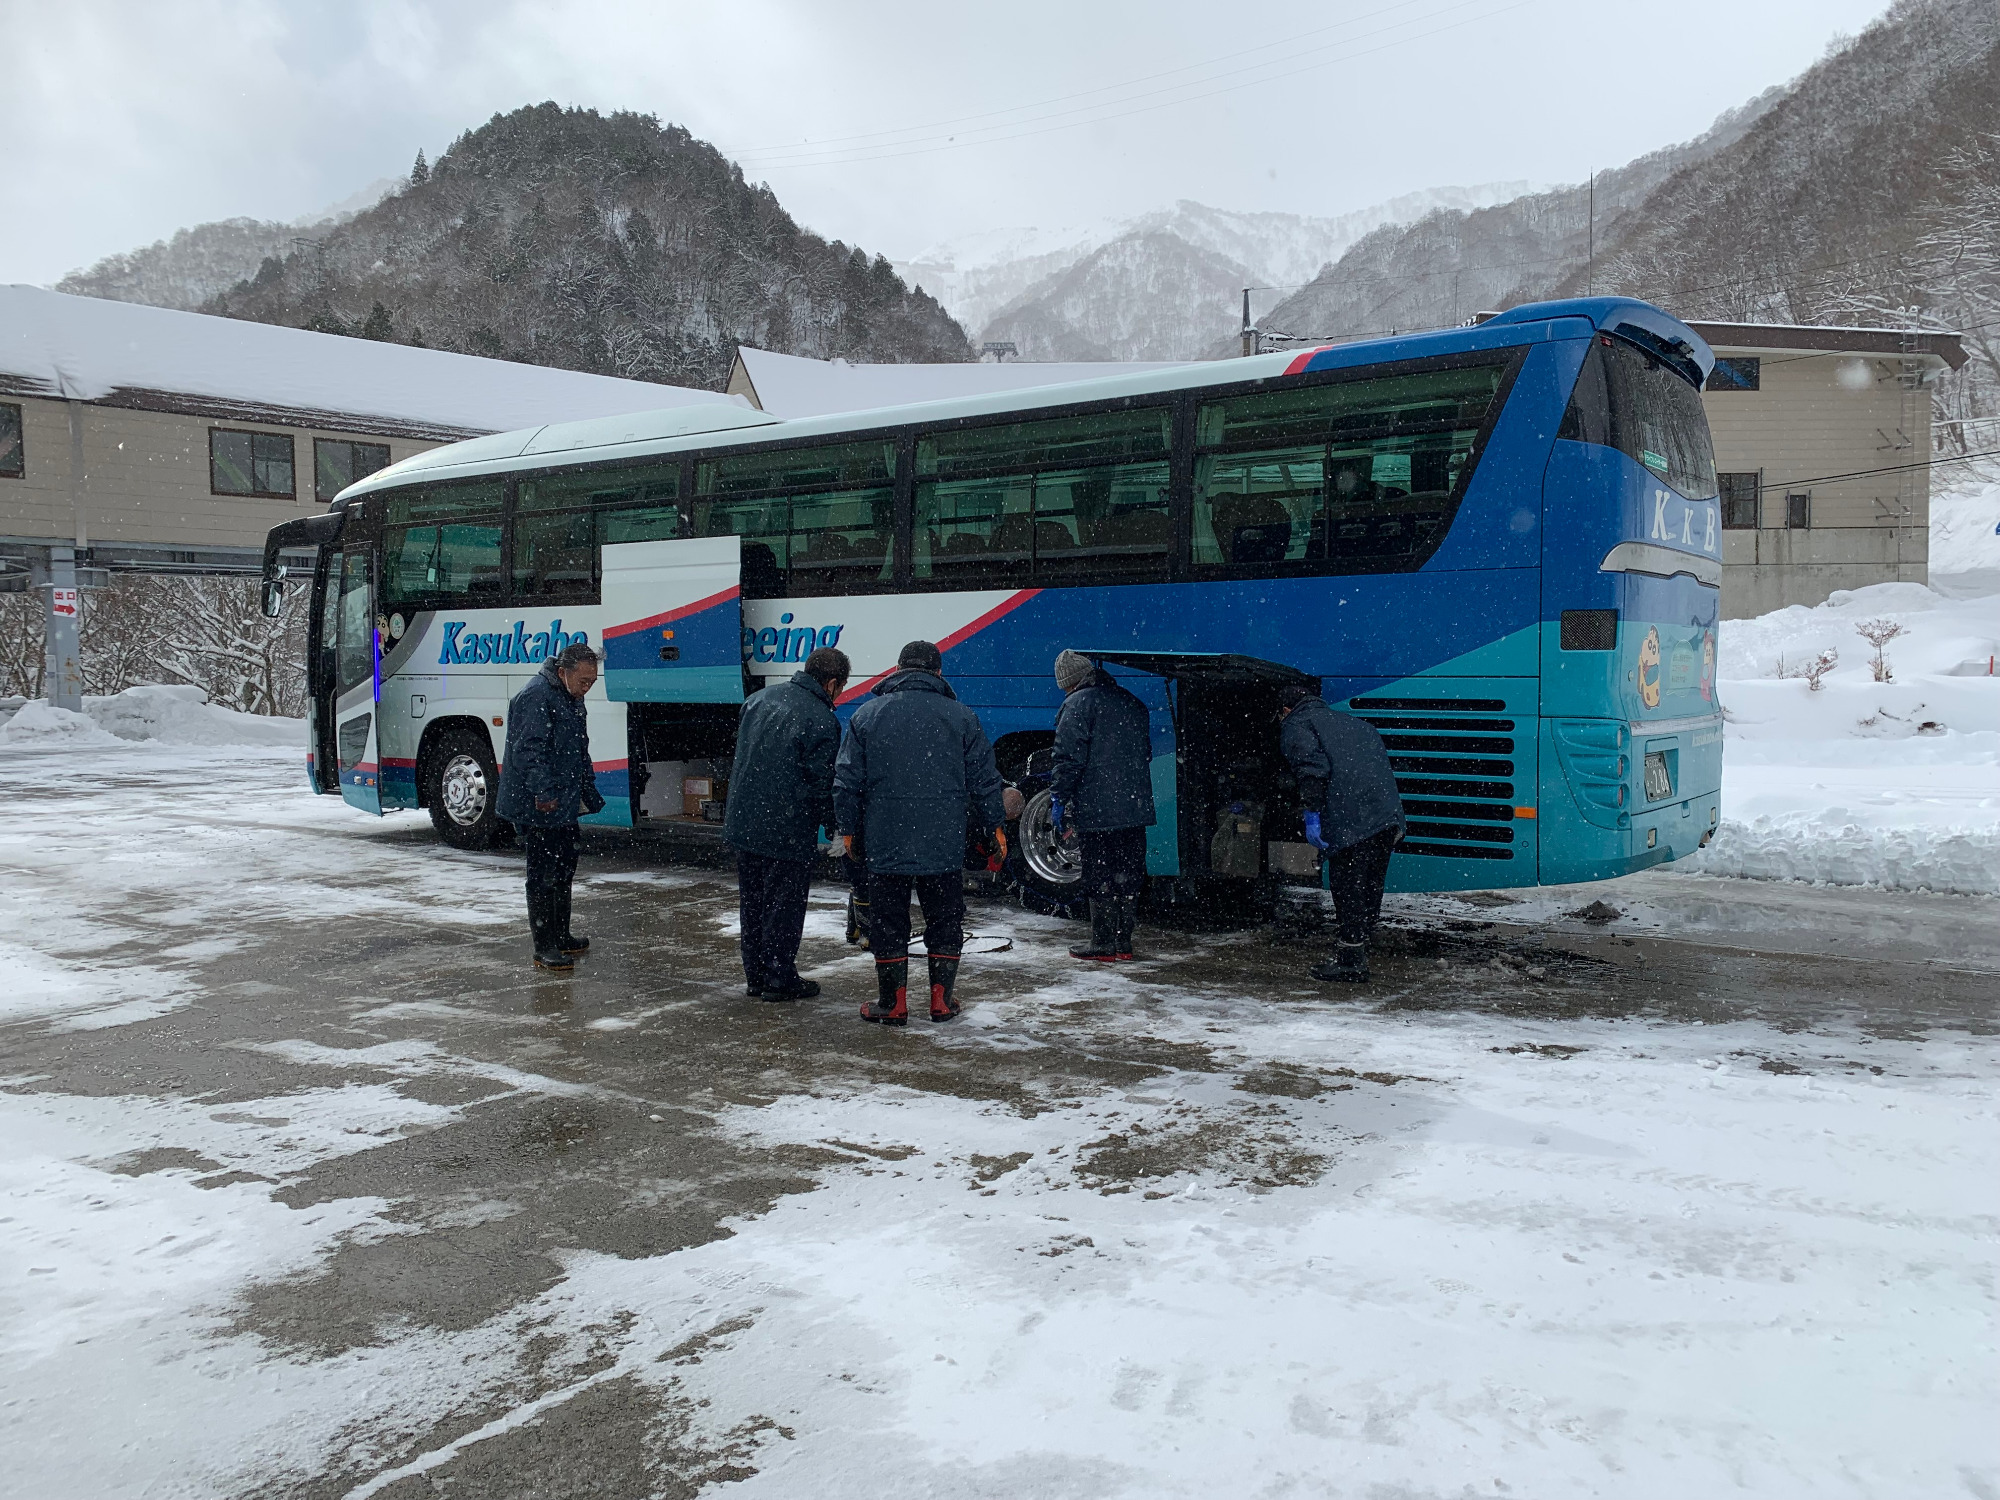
point(1159, 286)
point(202, 261)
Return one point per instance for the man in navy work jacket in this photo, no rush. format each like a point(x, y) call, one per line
point(1103, 788)
point(546, 784)
point(780, 796)
point(913, 761)
point(1353, 815)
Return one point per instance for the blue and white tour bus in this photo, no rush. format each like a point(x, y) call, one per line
point(1500, 544)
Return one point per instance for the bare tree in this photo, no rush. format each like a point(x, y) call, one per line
point(1813, 670)
point(1878, 633)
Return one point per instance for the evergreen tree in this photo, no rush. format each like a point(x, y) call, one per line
point(421, 172)
point(380, 326)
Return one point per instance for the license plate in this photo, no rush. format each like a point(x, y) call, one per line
point(1659, 777)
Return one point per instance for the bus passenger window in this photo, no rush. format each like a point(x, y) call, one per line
point(974, 534)
point(430, 567)
point(555, 557)
point(652, 523)
point(1359, 475)
point(1101, 525)
point(837, 537)
point(762, 525)
point(1256, 508)
point(841, 543)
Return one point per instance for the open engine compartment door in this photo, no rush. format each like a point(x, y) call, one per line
point(676, 631)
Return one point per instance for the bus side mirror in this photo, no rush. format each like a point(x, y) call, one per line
point(274, 596)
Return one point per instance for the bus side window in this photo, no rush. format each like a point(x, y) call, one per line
point(813, 520)
point(1067, 502)
point(1354, 476)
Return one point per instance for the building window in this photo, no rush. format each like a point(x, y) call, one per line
point(251, 463)
point(1739, 500)
point(1798, 512)
point(337, 463)
point(11, 457)
point(1738, 374)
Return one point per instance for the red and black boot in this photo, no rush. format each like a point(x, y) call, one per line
point(1124, 917)
point(944, 975)
point(1103, 945)
point(892, 1003)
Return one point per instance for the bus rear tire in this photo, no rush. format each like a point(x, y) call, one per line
point(462, 790)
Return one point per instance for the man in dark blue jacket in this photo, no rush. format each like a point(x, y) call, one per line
point(914, 760)
point(546, 784)
point(1353, 815)
point(1103, 787)
point(780, 796)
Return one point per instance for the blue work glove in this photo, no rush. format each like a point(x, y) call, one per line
point(1056, 816)
point(1313, 836)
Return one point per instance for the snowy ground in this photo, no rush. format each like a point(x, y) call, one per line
point(1891, 783)
point(313, 1190)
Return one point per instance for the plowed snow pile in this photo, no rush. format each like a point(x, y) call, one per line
point(161, 715)
point(1863, 782)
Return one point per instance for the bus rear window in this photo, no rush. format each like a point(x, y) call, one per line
point(1626, 399)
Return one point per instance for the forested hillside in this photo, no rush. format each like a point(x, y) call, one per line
point(1452, 263)
point(609, 244)
point(200, 261)
point(1866, 191)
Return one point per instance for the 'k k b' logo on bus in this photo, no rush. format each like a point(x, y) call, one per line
point(503, 647)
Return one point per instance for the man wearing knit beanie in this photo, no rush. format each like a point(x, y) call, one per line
point(1073, 670)
point(1103, 787)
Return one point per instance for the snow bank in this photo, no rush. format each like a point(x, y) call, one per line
point(1810, 792)
point(37, 723)
point(184, 716)
point(1965, 540)
point(160, 714)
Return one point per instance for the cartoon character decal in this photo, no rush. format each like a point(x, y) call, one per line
point(1708, 665)
point(1649, 668)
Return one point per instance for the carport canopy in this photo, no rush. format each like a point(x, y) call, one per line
point(1220, 667)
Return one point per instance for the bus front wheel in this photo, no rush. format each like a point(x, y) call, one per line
point(464, 790)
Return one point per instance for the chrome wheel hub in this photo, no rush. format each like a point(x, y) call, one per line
point(1057, 860)
point(462, 789)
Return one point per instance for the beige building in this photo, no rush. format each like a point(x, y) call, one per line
point(166, 441)
point(1822, 442)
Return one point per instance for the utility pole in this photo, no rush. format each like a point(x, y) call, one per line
point(1249, 329)
point(1590, 253)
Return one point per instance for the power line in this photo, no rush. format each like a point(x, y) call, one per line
point(1931, 463)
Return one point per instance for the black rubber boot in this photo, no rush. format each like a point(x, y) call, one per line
point(554, 960)
point(1349, 966)
point(1102, 947)
point(892, 1003)
point(575, 943)
point(1124, 917)
point(944, 975)
point(798, 989)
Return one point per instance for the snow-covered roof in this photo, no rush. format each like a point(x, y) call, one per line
point(788, 386)
point(125, 354)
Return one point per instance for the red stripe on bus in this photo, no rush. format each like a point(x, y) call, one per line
point(711, 602)
point(957, 637)
point(1298, 365)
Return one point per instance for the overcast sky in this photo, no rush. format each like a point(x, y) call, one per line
point(887, 123)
